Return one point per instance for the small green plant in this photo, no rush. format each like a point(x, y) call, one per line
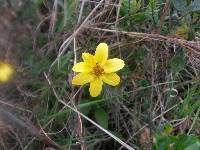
point(187, 6)
point(166, 141)
point(177, 63)
point(191, 101)
point(134, 13)
point(179, 142)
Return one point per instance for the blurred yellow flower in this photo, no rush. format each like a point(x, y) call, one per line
point(6, 72)
point(96, 69)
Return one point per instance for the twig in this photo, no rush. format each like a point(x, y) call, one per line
point(194, 46)
point(65, 13)
point(53, 18)
point(80, 124)
point(96, 2)
point(164, 13)
point(116, 23)
point(81, 11)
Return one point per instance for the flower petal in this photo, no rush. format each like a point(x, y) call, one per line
point(88, 58)
point(82, 78)
point(96, 87)
point(6, 72)
point(81, 67)
point(111, 79)
point(113, 65)
point(101, 53)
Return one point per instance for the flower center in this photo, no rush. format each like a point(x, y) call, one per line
point(98, 70)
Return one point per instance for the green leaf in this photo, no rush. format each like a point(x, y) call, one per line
point(195, 6)
point(136, 5)
point(101, 117)
point(191, 101)
point(183, 31)
point(178, 61)
point(185, 140)
point(124, 8)
point(86, 105)
point(152, 11)
point(168, 128)
point(195, 146)
point(140, 54)
point(139, 17)
point(130, 7)
point(181, 5)
point(179, 142)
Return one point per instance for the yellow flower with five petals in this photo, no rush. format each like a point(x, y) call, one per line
point(96, 69)
point(6, 72)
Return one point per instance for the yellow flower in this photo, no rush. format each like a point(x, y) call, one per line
point(6, 72)
point(96, 69)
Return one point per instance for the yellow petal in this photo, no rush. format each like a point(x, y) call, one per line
point(111, 79)
point(82, 78)
point(96, 87)
point(88, 58)
point(113, 65)
point(101, 53)
point(81, 67)
point(6, 72)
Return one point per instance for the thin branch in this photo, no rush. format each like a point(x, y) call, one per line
point(194, 46)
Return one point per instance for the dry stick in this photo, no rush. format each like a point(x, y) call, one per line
point(165, 10)
point(80, 124)
point(191, 45)
point(53, 18)
point(81, 11)
point(70, 39)
point(65, 13)
point(88, 119)
point(29, 143)
point(167, 111)
point(95, 2)
point(118, 11)
point(116, 23)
